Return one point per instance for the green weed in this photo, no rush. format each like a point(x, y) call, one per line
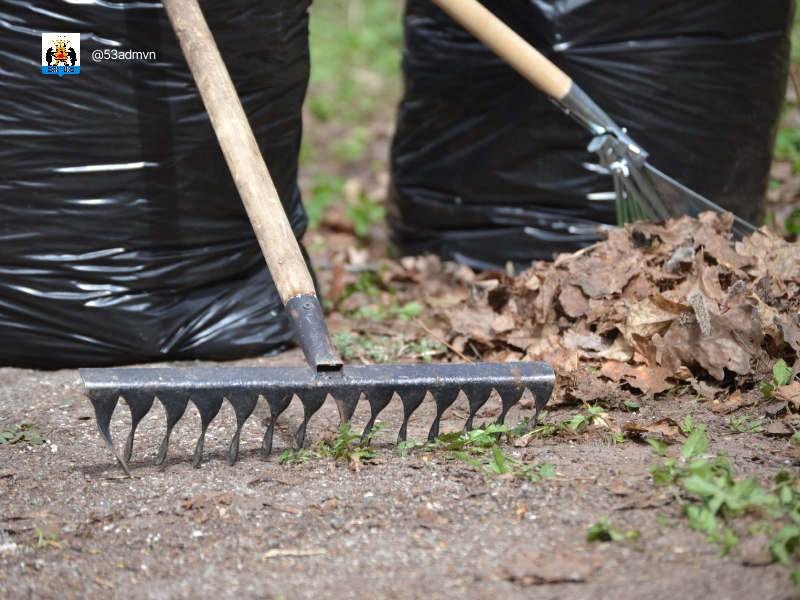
point(781, 376)
point(602, 531)
point(51, 540)
point(744, 425)
point(24, 432)
point(348, 447)
point(353, 147)
point(687, 427)
point(713, 499)
point(365, 213)
point(355, 57)
point(290, 456)
point(326, 190)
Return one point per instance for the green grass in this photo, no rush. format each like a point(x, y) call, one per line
point(355, 57)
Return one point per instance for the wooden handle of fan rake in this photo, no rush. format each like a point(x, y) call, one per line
point(258, 193)
point(509, 46)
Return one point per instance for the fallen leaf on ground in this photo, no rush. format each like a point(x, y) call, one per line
point(779, 428)
point(530, 569)
point(789, 393)
point(667, 428)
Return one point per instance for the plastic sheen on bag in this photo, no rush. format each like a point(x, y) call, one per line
point(122, 236)
point(485, 169)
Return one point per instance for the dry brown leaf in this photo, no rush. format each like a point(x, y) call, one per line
point(530, 569)
point(779, 428)
point(648, 379)
point(775, 255)
point(608, 269)
point(573, 302)
point(767, 317)
point(721, 249)
point(735, 340)
point(574, 340)
point(474, 323)
point(620, 350)
point(651, 316)
point(675, 232)
point(789, 393)
point(502, 323)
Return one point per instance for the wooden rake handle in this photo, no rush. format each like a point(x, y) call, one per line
point(509, 46)
point(258, 193)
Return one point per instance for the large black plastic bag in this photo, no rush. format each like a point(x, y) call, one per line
point(122, 236)
point(487, 170)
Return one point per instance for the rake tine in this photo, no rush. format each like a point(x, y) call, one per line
point(103, 409)
point(346, 401)
point(444, 399)
point(509, 396)
point(208, 405)
point(139, 404)
point(378, 400)
point(244, 403)
point(312, 400)
point(477, 398)
point(411, 398)
point(175, 408)
point(278, 402)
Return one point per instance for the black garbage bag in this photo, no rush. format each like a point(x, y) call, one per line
point(122, 236)
point(485, 169)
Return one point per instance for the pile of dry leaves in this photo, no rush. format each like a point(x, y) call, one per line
point(652, 306)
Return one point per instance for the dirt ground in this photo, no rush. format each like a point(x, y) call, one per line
point(408, 527)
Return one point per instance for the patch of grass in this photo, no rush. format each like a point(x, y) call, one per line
point(787, 146)
point(688, 426)
point(497, 462)
point(355, 57)
point(348, 447)
point(351, 148)
point(781, 376)
point(327, 189)
point(714, 500)
point(602, 531)
point(744, 425)
point(631, 406)
point(365, 213)
point(51, 540)
point(290, 456)
point(24, 432)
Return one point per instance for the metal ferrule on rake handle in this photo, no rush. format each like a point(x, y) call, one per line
point(255, 186)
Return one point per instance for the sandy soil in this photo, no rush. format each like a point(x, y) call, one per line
point(411, 527)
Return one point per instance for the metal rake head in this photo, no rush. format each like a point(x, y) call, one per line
point(208, 387)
